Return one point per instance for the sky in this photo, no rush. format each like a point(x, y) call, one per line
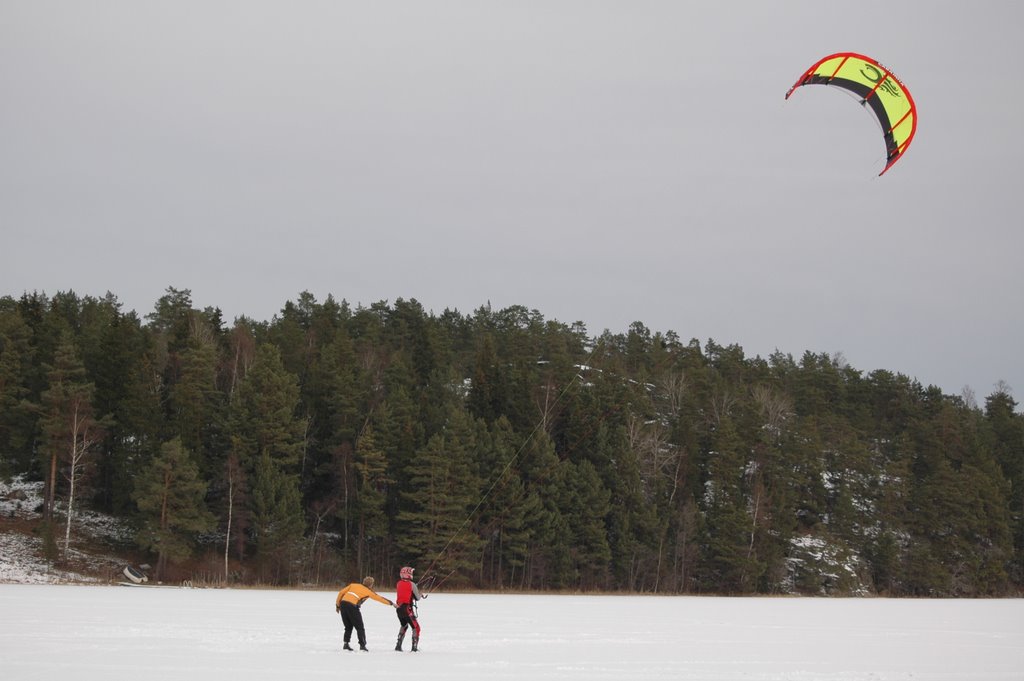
point(603, 162)
point(113, 633)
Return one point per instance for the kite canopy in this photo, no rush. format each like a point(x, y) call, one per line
point(877, 87)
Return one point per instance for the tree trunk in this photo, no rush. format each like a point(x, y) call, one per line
point(80, 442)
point(227, 533)
point(71, 510)
point(161, 562)
point(51, 488)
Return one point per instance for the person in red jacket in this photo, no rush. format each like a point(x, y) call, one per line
point(348, 602)
point(405, 606)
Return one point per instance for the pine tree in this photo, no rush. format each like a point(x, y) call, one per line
point(170, 497)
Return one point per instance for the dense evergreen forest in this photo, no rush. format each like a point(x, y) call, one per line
point(500, 450)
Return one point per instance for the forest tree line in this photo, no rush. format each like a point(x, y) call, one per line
point(501, 450)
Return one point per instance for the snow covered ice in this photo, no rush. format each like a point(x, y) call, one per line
point(107, 633)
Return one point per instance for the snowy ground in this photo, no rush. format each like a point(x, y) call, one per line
point(109, 633)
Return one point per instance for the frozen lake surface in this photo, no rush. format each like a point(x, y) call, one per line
point(105, 633)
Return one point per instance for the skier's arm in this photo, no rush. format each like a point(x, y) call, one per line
point(377, 597)
point(416, 592)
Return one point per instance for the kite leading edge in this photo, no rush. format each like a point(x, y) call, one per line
point(878, 88)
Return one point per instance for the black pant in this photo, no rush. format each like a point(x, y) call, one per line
point(407, 616)
point(352, 618)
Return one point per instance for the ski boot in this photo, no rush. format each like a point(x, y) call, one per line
point(346, 646)
point(363, 648)
point(415, 644)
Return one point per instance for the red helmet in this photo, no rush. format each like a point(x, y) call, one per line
point(406, 572)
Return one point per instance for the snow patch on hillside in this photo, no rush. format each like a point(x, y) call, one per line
point(21, 562)
point(815, 564)
point(22, 558)
point(20, 498)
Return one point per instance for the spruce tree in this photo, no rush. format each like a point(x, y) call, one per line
point(489, 391)
point(1005, 428)
point(371, 469)
point(263, 412)
point(437, 529)
point(730, 562)
point(508, 508)
point(140, 423)
point(266, 438)
point(276, 518)
point(197, 404)
point(16, 415)
point(586, 515)
point(120, 343)
point(68, 424)
point(544, 478)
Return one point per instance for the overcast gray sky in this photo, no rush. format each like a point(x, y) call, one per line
point(606, 162)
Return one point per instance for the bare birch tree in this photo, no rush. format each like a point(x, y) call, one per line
point(774, 408)
point(233, 474)
point(68, 425)
point(84, 435)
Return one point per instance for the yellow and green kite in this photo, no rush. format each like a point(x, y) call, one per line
point(877, 87)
